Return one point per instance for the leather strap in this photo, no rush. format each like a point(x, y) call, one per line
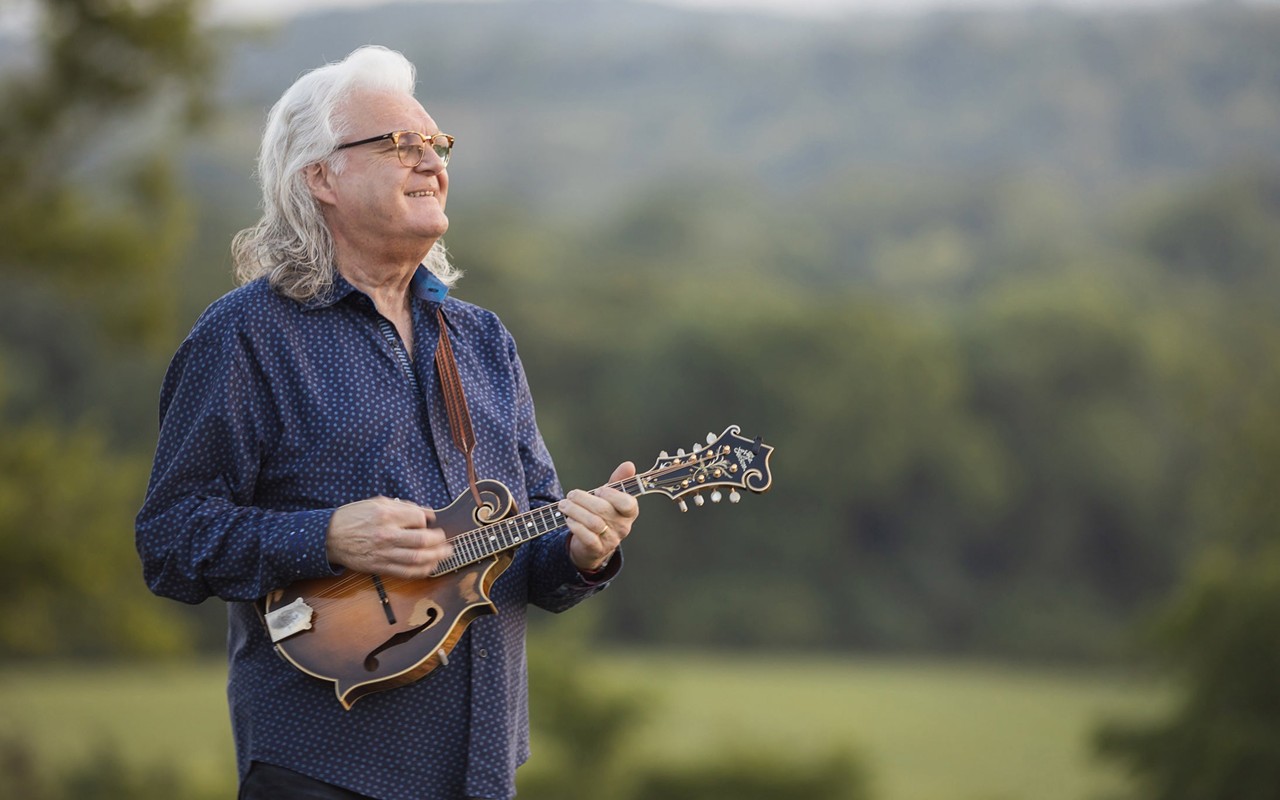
point(455, 404)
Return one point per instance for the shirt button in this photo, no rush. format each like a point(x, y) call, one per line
point(484, 653)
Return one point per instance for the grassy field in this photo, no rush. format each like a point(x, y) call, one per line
point(928, 731)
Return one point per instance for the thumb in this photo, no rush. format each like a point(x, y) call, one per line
point(624, 470)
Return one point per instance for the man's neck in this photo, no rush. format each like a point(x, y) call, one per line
point(387, 286)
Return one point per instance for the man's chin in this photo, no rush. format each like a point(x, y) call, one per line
point(439, 226)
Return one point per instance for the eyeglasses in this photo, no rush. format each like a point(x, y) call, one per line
point(411, 146)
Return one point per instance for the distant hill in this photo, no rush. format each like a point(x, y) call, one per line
point(564, 104)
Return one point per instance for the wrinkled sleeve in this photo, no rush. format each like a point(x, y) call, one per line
point(198, 533)
point(555, 584)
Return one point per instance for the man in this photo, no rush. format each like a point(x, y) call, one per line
point(304, 433)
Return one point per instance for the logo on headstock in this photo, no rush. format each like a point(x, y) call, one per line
point(744, 455)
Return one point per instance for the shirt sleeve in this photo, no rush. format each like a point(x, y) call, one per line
point(555, 583)
point(198, 533)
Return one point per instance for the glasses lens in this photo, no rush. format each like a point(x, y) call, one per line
point(443, 147)
point(410, 147)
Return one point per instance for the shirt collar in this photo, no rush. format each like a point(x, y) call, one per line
point(424, 284)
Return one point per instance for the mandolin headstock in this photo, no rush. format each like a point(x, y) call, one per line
point(728, 461)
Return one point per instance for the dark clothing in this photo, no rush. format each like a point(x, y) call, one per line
point(273, 414)
point(269, 782)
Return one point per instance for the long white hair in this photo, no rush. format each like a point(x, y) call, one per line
point(291, 243)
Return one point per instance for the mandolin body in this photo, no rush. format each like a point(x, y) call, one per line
point(367, 634)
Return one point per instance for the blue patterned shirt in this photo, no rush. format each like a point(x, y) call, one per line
point(274, 413)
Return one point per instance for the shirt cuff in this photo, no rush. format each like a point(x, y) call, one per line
point(297, 546)
point(606, 573)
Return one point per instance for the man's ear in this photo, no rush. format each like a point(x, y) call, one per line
point(318, 177)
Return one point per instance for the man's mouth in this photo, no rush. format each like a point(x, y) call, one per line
point(423, 193)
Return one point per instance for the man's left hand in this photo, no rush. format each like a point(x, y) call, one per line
point(599, 520)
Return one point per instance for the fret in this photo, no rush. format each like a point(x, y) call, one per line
point(478, 544)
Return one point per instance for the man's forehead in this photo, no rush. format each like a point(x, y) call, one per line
point(386, 108)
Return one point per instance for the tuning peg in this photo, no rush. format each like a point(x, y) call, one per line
point(697, 448)
point(680, 452)
point(711, 438)
point(684, 507)
point(734, 497)
point(664, 454)
point(698, 500)
point(715, 496)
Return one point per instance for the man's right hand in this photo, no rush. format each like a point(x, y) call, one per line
point(386, 537)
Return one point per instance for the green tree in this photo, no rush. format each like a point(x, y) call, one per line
point(88, 202)
point(91, 220)
point(1217, 634)
point(1223, 737)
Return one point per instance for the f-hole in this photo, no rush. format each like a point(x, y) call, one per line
point(371, 661)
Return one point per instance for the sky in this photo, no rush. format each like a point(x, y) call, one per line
point(17, 15)
point(257, 9)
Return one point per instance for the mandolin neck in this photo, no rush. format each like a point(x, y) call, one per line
point(730, 462)
point(476, 545)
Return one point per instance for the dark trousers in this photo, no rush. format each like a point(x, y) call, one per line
point(269, 782)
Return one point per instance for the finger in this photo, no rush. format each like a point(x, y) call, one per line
point(405, 537)
point(418, 516)
point(626, 469)
point(613, 508)
point(414, 562)
point(401, 513)
point(585, 525)
point(419, 557)
point(621, 504)
point(582, 506)
point(583, 520)
point(587, 547)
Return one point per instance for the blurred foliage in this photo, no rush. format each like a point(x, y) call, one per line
point(757, 776)
point(69, 581)
point(999, 287)
point(576, 725)
point(582, 747)
point(996, 390)
point(1011, 456)
point(105, 776)
point(89, 204)
point(1218, 636)
point(1223, 739)
point(91, 220)
point(564, 105)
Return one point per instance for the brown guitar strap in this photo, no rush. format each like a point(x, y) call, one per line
point(455, 404)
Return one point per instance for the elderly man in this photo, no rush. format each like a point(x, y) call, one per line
point(305, 434)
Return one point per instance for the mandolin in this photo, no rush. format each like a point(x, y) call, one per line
point(368, 634)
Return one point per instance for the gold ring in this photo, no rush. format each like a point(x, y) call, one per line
point(603, 530)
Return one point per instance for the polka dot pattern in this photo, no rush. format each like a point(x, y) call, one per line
point(274, 413)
